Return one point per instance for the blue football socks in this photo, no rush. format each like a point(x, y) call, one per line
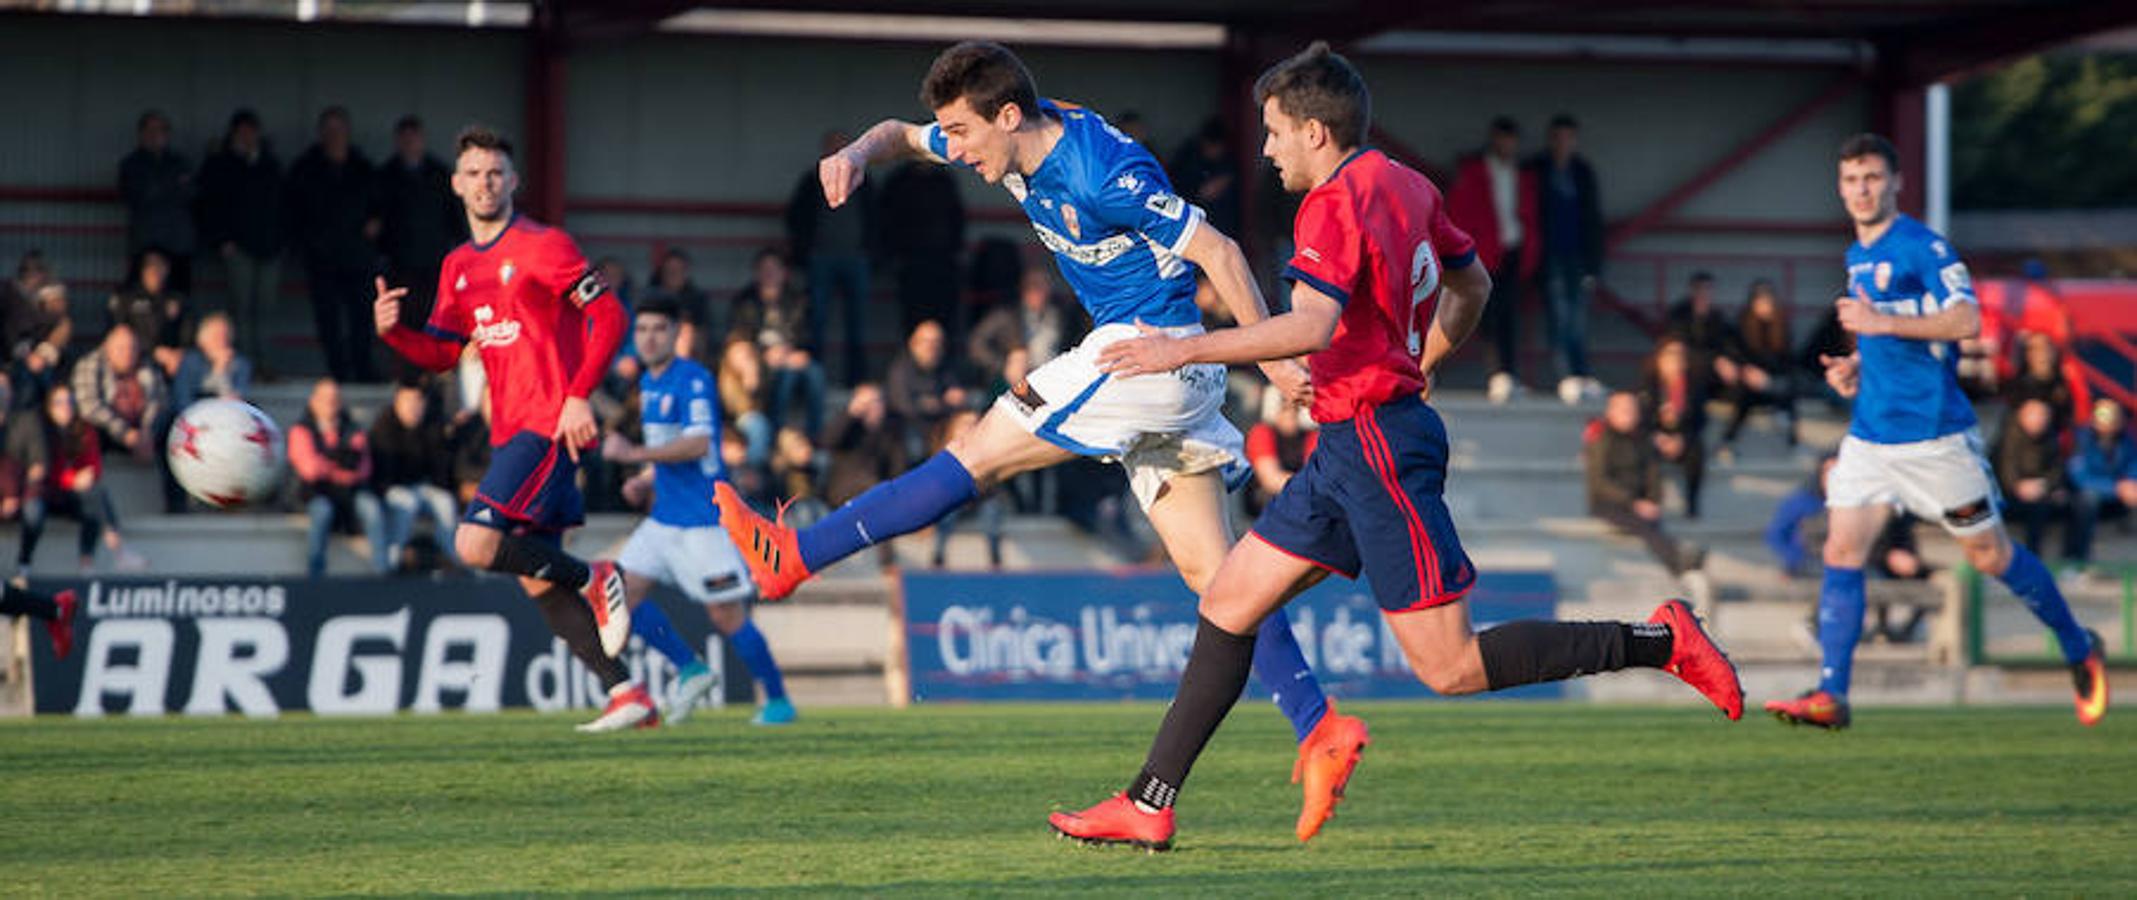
point(652, 625)
point(905, 504)
point(1840, 606)
point(1281, 667)
point(757, 655)
point(2031, 581)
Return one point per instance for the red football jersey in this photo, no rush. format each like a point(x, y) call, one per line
point(521, 300)
point(1375, 237)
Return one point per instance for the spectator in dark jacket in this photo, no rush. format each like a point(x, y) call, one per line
point(332, 461)
point(330, 190)
point(156, 184)
point(2040, 377)
point(1675, 393)
point(1570, 217)
point(922, 387)
point(834, 246)
point(119, 395)
point(2029, 470)
point(33, 310)
point(867, 446)
point(418, 220)
point(1204, 171)
point(1765, 362)
point(1494, 200)
point(153, 309)
point(69, 481)
point(1625, 483)
point(701, 325)
point(411, 467)
point(1705, 330)
point(923, 224)
point(468, 436)
point(770, 312)
point(1039, 324)
point(241, 221)
point(2103, 477)
point(213, 368)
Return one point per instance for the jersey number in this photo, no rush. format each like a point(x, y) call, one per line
point(1424, 280)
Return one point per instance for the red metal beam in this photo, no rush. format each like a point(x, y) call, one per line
point(1647, 219)
point(542, 194)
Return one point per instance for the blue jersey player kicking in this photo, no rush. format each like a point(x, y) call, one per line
point(681, 543)
point(1912, 442)
point(1132, 250)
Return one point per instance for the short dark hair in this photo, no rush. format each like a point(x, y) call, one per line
point(1565, 120)
point(658, 306)
point(1505, 125)
point(1320, 84)
point(768, 253)
point(242, 117)
point(481, 137)
point(151, 115)
point(410, 122)
point(1702, 277)
point(985, 74)
point(1870, 144)
point(337, 111)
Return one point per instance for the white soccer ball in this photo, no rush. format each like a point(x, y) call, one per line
point(226, 453)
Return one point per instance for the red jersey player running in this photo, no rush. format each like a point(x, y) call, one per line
point(1384, 288)
point(546, 327)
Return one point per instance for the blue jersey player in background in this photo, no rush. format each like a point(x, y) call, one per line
point(1912, 442)
point(1134, 252)
point(681, 543)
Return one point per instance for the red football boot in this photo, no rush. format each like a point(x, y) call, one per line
point(769, 548)
point(1819, 708)
point(630, 708)
point(1117, 821)
point(61, 628)
point(2091, 678)
point(1326, 759)
point(1695, 659)
point(612, 609)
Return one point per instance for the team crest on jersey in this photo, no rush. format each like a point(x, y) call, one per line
point(667, 404)
point(1882, 276)
point(461, 284)
point(1068, 218)
point(489, 332)
point(504, 273)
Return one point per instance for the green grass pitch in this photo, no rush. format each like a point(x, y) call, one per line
point(1505, 798)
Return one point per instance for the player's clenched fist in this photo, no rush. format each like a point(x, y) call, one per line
point(386, 310)
point(1844, 373)
point(840, 173)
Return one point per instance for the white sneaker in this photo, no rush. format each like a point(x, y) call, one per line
point(1569, 390)
point(688, 695)
point(1501, 388)
point(1591, 389)
point(629, 706)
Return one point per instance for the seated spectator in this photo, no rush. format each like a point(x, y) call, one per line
point(699, 336)
point(68, 480)
point(2029, 470)
point(1829, 339)
point(22, 456)
point(987, 509)
point(2040, 377)
point(1675, 394)
point(411, 465)
point(1892, 555)
point(37, 327)
point(741, 381)
point(1764, 362)
point(121, 398)
point(1625, 483)
point(332, 460)
point(2103, 477)
point(921, 388)
point(867, 446)
point(775, 315)
point(213, 367)
point(156, 313)
point(468, 438)
point(797, 472)
point(1277, 447)
point(1705, 331)
point(1038, 324)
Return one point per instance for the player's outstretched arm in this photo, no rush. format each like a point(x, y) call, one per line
point(1224, 267)
point(890, 139)
point(429, 351)
point(1463, 293)
point(1305, 329)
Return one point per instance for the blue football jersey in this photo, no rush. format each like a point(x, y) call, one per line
point(1103, 205)
point(680, 402)
point(1910, 389)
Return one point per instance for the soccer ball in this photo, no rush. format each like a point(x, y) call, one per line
point(225, 452)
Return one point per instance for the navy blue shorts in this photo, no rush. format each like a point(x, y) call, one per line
point(1368, 501)
point(532, 486)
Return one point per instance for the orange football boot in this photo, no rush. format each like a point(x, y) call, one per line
point(1326, 759)
point(768, 547)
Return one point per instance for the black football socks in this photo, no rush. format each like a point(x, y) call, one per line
point(1531, 652)
point(539, 560)
point(1216, 673)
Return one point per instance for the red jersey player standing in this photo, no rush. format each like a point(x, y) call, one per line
point(1384, 287)
point(546, 327)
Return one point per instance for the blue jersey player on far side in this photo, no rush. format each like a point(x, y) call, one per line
point(681, 543)
point(1912, 442)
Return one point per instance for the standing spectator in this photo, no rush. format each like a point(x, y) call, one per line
point(2040, 377)
point(411, 465)
point(1705, 331)
point(71, 479)
point(1277, 447)
point(153, 309)
point(33, 311)
point(2029, 470)
point(330, 189)
point(699, 337)
point(769, 311)
point(1204, 172)
point(867, 446)
point(332, 460)
point(213, 368)
point(1570, 217)
point(741, 381)
point(2103, 477)
point(417, 219)
point(1494, 199)
point(923, 225)
point(1038, 323)
point(834, 247)
point(1676, 393)
point(119, 396)
point(241, 219)
point(921, 388)
point(1765, 360)
point(156, 184)
point(1625, 483)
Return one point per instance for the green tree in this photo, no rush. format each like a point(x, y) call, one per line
point(2047, 132)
